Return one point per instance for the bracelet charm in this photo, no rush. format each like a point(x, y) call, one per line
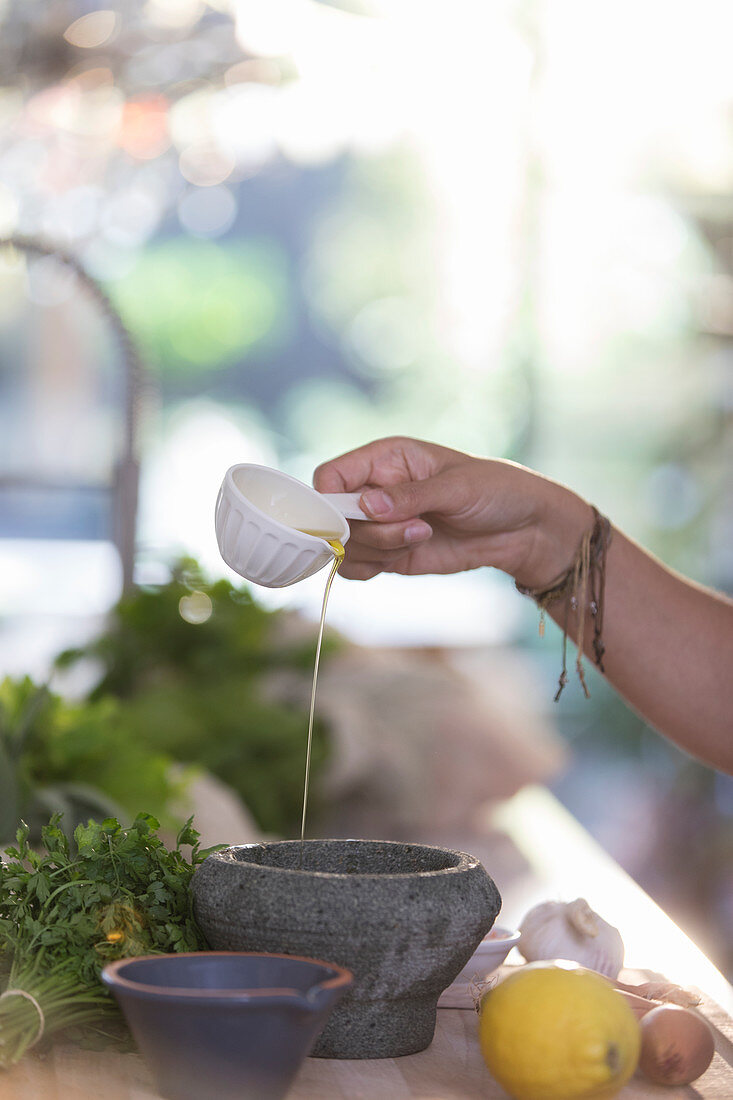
point(582, 586)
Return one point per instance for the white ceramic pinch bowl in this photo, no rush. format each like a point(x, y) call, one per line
point(262, 520)
point(490, 953)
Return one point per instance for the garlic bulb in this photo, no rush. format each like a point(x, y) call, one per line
point(571, 930)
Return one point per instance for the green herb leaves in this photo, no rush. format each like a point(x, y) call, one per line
point(228, 694)
point(74, 758)
point(64, 914)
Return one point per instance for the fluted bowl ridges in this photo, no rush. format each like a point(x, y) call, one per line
point(262, 518)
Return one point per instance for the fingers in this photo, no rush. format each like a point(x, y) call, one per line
point(386, 537)
point(411, 498)
point(365, 569)
point(355, 469)
point(342, 475)
point(393, 502)
point(383, 462)
point(401, 482)
point(377, 548)
point(358, 572)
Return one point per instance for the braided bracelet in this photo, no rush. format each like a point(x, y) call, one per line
point(585, 576)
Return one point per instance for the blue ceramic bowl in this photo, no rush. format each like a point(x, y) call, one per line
point(226, 1025)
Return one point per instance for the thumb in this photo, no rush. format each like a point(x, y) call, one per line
point(409, 499)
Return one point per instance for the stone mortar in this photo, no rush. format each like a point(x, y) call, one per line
point(404, 918)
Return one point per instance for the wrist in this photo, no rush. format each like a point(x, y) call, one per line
point(561, 517)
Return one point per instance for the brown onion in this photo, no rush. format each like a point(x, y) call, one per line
point(677, 1045)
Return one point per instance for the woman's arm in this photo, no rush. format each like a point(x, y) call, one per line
point(668, 642)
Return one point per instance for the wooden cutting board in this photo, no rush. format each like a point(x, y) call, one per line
point(450, 1069)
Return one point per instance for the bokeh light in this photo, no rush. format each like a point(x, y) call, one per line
point(207, 212)
point(92, 30)
point(205, 165)
point(196, 608)
point(143, 131)
point(385, 335)
point(174, 14)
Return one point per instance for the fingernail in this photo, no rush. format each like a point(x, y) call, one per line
point(377, 503)
point(418, 532)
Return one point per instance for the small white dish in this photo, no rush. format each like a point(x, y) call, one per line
point(263, 518)
point(490, 953)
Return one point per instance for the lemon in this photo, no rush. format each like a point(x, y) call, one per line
point(558, 1032)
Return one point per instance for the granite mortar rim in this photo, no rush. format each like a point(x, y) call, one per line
point(466, 861)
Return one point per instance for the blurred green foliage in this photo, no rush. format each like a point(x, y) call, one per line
point(74, 758)
point(197, 691)
point(199, 306)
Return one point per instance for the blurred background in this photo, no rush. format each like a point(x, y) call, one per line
point(272, 230)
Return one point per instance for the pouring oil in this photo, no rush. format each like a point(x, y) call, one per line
point(338, 552)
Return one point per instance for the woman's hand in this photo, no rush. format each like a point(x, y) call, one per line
point(435, 510)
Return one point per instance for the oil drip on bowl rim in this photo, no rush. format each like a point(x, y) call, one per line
point(264, 521)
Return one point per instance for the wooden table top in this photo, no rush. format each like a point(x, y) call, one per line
point(450, 1069)
point(535, 851)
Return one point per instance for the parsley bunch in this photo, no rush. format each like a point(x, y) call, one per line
point(64, 914)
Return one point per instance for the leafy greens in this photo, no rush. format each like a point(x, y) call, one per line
point(65, 913)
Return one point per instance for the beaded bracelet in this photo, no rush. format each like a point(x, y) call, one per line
point(586, 574)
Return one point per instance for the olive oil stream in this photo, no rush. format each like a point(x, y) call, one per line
point(339, 552)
